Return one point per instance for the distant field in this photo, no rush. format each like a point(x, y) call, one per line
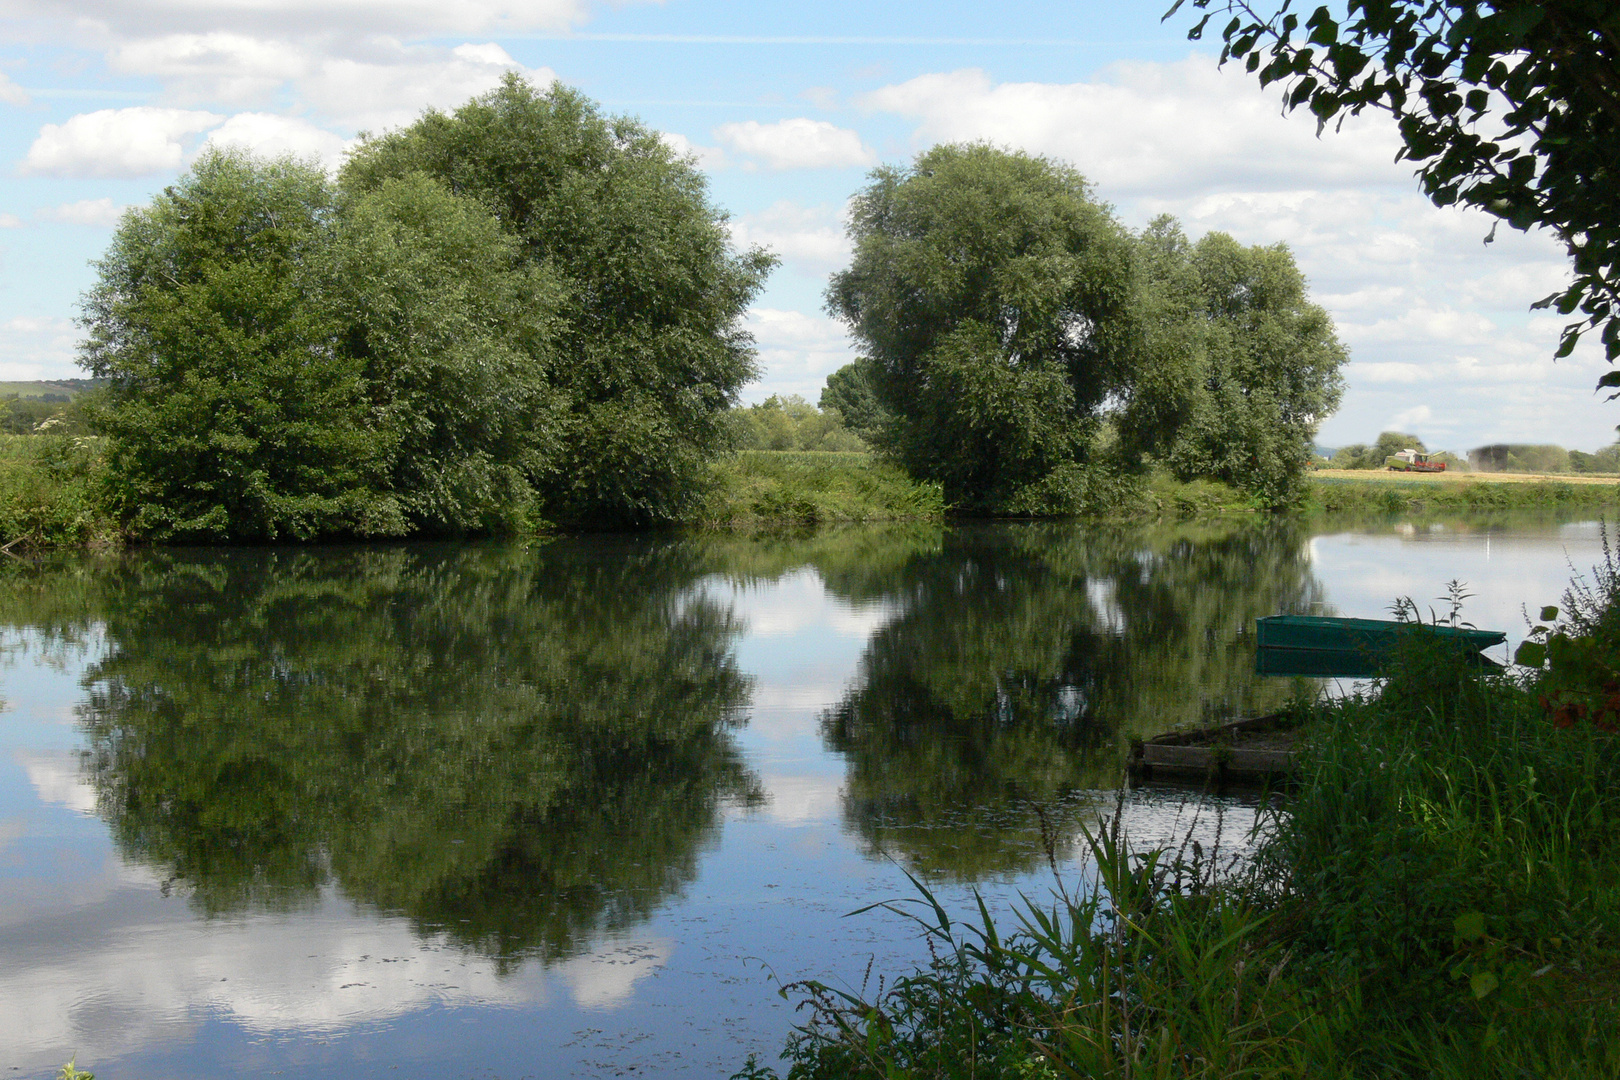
point(1385, 476)
point(64, 387)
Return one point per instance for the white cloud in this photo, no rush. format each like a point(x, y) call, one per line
point(392, 90)
point(796, 351)
point(399, 18)
point(1407, 419)
point(1182, 127)
point(11, 93)
point(215, 67)
point(33, 347)
point(10, 221)
point(116, 142)
point(710, 158)
point(269, 135)
point(799, 143)
point(372, 84)
point(809, 238)
point(95, 212)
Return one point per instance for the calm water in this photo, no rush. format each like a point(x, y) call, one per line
point(576, 808)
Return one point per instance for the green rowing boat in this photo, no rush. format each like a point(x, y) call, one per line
point(1327, 634)
point(1325, 647)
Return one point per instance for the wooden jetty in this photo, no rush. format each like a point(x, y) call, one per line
point(1256, 750)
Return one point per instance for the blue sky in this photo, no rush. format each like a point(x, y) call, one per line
point(786, 107)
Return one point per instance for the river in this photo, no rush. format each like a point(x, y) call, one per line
point(579, 807)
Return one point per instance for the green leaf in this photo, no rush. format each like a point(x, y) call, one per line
point(1469, 927)
point(1482, 983)
point(1530, 654)
point(1549, 613)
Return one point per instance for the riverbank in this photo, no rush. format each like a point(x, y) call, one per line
point(1440, 898)
point(754, 489)
point(52, 494)
point(1336, 490)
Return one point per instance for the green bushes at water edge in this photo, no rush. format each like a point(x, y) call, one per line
point(1398, 496)
point(53, 494)
point(762, 487)
point(1441, 898)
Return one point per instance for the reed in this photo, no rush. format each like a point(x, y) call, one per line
point(1440, 898)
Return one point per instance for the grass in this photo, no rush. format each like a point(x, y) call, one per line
point(1382, 491)
point(759, 488)
point(1440, 899)
point(50, 494)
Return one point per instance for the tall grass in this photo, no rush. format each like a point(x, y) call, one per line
point(755, 488)
point(1440, 898)
point(51, 494)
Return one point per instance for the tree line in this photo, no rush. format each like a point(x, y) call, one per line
point(1496, 457)
point(526, 311)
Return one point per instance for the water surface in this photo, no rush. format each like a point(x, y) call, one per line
point(577, 807)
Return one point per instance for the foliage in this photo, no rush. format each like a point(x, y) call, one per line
point(453, 334)
point(1520, 457)
point(774, 489)
point(1457, 853)
point(993, 297)
point(1578, 656)
point(792, 423)
point(231, 411)
point(52, 493)
point(1020, 661)
point(523, 310)
point(649, 352)
point(850, 393)
point(1362, 456)
point(1439, 900)
point(1512, 107)
point(1149, 970)
point(519, 749)
point(1396, 493)
point(1242, 367)
point(1606, 460)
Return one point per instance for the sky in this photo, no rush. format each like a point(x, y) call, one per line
point(787, 107)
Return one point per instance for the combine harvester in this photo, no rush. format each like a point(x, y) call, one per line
point(1410, 460)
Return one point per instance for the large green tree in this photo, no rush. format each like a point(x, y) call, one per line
point(650, 351)
point(1241, 366)
point(1510, 106)
point(993, 297)
point(232, 407)
point(522, 308)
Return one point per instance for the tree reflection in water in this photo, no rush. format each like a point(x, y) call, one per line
point(1024, 657)
point(519, 749)
point(526, 748)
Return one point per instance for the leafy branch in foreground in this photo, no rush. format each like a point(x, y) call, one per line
point(1512, 107)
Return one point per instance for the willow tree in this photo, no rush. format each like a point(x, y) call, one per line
point(650, 352)
point(992, 296)
point(1240, 367)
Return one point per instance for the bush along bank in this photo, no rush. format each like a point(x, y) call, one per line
point(1377, 494)
point(1440, 898)
point(53, 494)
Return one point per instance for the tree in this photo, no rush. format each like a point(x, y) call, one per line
point(1510, 106)
point(286, 363)
point(849, 390)
point(992, 295)
point(1241, 367)
point(455, 336)
point(232, 408)
point(650, 353)
point(1393, 442)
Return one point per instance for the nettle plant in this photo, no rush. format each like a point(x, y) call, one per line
point(1578, 680)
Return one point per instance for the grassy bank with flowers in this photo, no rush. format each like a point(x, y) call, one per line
point(1438, 897)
